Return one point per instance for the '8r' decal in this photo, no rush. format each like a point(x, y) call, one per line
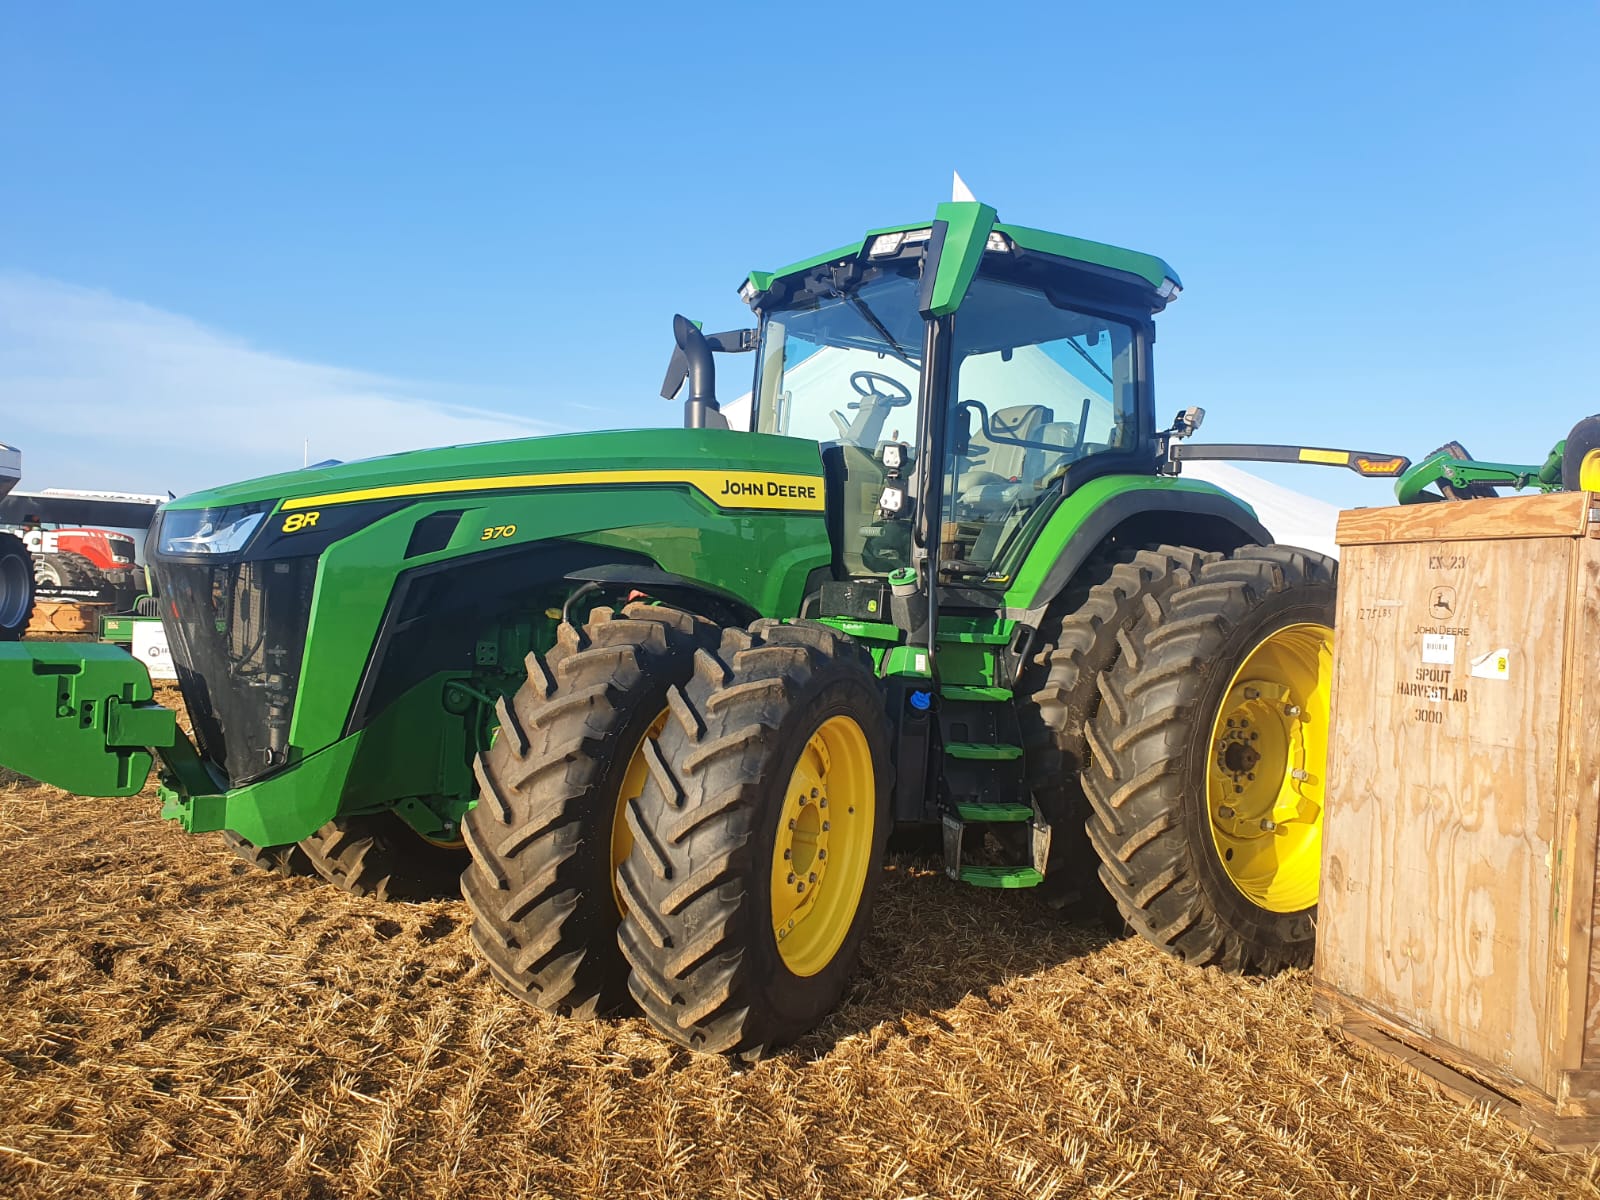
point(295, 522)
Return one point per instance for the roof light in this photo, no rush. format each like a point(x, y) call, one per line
point(998, 241)
point(1169, 289)
point(886, 244)
point(748, 292)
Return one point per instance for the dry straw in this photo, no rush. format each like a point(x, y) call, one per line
point(175, 1024)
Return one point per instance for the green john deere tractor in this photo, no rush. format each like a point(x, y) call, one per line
point(663, 694)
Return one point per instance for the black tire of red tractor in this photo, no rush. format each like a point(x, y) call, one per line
point(16, 587)
point(1472, 491)
point(698, 933)
point(286, 861)
point(379, 855)
point(1583, 441)
point(67, 570)
point(1059, 695)
point(1150, 746)
point(540, 883)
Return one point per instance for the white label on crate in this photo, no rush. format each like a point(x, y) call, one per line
point(1439, 648)
point(150, 648)
point(1494, 665)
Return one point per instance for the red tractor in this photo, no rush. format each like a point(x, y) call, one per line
point(76, 560)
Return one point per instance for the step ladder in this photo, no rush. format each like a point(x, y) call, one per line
point(984, 786)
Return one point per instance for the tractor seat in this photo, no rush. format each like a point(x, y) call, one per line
point(990, 468)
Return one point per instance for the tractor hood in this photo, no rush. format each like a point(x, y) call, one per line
point(759, 471)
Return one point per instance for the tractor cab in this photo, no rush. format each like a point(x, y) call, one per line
point(962, 377)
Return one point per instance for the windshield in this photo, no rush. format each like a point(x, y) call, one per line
point(844, 369)
point(1037, 386)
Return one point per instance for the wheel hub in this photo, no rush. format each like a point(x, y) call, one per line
point(822, 846)
point(1265, 780)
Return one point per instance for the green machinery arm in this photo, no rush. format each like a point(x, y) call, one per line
point(82, 716)
point(1444, 467)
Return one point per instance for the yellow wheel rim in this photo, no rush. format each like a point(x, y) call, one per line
point(823, 846)
point(1589, 472)
point(632, 788)
point(1267, 769)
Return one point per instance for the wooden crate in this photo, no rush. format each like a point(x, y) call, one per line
point(64, 616)
point(1456, 929)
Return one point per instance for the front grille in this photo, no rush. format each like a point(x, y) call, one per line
point(237, 632)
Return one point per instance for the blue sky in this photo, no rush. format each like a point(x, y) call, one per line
point(223, 231)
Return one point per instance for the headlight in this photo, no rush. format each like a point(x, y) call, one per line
point(210, 530)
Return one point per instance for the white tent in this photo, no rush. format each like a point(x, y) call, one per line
point(1292, 518)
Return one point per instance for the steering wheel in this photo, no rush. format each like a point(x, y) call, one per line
point(864, 383)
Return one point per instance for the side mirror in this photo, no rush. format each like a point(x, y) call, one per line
point(961, 431)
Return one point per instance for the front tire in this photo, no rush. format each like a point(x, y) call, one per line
point(16, 587)
point(758, 840)
point(547, 834)
point(67, 569)
point(1209, 757)
point(379, 855)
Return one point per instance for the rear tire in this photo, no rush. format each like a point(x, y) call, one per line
point(379, 855)
point(16, 587)
point(1062, 689)
point(286, 861)
point(1205, 859)
point(67, 570)
point(545, 836)
point(1580, 463)
point(758, 840)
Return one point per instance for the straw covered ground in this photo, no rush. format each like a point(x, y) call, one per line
point(173, 1023)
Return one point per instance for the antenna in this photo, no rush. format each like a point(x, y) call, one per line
point(959, 189)
point(305, 457)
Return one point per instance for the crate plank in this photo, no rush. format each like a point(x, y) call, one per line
point(1560, 515)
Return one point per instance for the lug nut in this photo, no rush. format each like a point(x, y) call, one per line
point(1300, 773)
point(791, 876)
point(788, 853)
point(791, 822)
point(823, 803)
point(1225, 812)
point(1268, 824)
point(799, 887)
point(1292, 710)
point(815, 793)
point(1252, 693)
point(827, 825)
point(821, 854)
point(1237, 788)
point(1254, 735)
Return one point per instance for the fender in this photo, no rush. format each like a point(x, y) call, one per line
point(1194, 515)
